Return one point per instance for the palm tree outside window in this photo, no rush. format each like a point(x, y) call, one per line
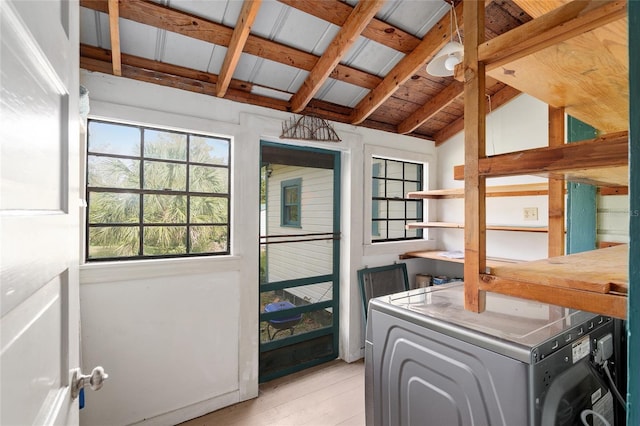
point(155, 193)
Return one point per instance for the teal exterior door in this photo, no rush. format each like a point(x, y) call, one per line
point(299, 258)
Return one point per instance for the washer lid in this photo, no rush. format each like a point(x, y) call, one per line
point(509, 319)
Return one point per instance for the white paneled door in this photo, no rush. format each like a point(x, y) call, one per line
point(39, 211)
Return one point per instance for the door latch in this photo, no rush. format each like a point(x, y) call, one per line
point(95, 380)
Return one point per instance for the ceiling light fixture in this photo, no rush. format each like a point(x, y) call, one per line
point(445, 61)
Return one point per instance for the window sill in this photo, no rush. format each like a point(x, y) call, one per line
point(108, 272)
point(397, 247)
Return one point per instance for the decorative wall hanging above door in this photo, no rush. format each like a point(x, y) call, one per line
point(309, 128)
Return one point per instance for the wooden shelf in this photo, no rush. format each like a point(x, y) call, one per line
point(452, 225)
point(580, 281)
point(574, 57)
point(516, 190)
point(601, 161)
point(595, 281)
point(438, 255)
point(492, 191)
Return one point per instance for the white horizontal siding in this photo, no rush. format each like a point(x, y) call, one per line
point(302, 259)
point(613, 218)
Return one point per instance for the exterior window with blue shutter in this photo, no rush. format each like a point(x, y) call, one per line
point(291, 191)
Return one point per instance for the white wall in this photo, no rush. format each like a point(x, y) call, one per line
point(613, 218)
point(521, 124)
point(179, 338)
point(152, 327)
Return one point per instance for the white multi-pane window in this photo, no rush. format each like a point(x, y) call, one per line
point(391, 211)
point(155, 193)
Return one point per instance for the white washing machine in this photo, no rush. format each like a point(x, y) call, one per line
point(520, 363)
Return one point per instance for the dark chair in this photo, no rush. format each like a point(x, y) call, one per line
point(382, 280)
point(281, 324)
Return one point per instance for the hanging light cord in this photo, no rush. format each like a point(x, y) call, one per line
point(454, 18)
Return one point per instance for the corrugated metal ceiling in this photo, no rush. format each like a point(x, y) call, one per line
point(402, 27)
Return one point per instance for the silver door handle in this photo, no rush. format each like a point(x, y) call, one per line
point(95, 380)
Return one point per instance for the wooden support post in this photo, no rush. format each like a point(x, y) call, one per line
point(474, 146)
point(556, 187)
point(556, 202)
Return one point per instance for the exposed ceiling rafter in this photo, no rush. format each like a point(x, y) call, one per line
point(432, 107)
point(340, 45)
point(114, 33)
point(337, 12)
point(405, 100)
point(156, 15)
point(406, 68)
point(236, 44)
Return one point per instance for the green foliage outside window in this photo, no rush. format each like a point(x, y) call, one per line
point(155, 193)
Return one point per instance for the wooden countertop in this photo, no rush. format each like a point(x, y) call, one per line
point(595, 281)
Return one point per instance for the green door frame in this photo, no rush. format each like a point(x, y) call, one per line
point(633, 307)
point(334, 278)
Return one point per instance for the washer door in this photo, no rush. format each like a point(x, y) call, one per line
point(577, 389)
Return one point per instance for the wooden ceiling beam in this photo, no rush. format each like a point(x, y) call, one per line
point(498, 99)
point(99, 60)
point(339, 46)
point(236, 44)
point(337, 12)
point(436, 104)
point(137, 68)
point(563, 23)
point(156, 76)
point(165, 18)
point(432, 42)
point(114, 33)
point(103, 55)
point(92, 58)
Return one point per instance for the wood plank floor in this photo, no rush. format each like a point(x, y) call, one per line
point(330, 394)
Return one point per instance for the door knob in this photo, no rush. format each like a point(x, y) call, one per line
point(95, 380)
